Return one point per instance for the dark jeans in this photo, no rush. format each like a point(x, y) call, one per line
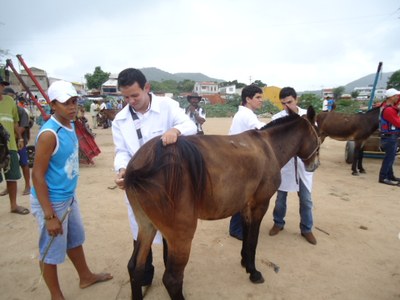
point(389, 145)
point(236, 226)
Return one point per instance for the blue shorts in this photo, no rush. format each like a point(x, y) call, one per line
point(23, 157)
point(14, 172)
point(73, 236)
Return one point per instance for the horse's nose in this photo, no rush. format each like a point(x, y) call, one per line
point(313, 166)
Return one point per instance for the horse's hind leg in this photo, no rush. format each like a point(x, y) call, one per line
point(355, 159)
point(360, 160)
point(141, 258)
point(178, 256)
point(148, 269)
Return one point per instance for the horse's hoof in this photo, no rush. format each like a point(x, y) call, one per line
point(257, 277)
point(354, 173)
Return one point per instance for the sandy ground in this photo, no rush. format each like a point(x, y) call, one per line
point(356, 221)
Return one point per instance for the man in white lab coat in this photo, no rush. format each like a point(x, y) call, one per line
point(144, 117)
point(294, 179)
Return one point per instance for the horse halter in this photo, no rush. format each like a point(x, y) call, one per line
point(316, 148)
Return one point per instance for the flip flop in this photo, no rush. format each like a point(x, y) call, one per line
point(3, 193)
point(28, 192)
point(20, 210)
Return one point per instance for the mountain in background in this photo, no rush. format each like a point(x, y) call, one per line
point(369, 81)
point(154, 74)
point(361, 82)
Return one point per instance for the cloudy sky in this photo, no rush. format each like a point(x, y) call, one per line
point(309, 44)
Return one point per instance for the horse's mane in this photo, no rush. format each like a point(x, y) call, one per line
point(372, 110)
point(280, 121)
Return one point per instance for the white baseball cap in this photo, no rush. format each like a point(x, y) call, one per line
point(391, 92)
point(61, 91)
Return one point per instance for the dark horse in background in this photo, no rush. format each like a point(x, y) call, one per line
point(349, 127)
point(4, 152)
point(211, 177)
point(105, 116)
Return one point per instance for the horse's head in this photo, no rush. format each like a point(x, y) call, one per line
point(4, 152)
point(309, 151)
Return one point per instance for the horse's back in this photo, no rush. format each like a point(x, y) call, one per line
point(343, 126)
point(239, 167)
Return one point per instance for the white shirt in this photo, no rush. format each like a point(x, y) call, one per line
point(163, 115)
point(325, 105)
point(288, 174)
point(244, 119)
point(103, 105)
point(94, 107)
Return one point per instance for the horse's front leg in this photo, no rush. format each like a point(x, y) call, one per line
point(250, 239)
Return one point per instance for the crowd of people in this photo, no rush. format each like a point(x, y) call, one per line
point(56, 166)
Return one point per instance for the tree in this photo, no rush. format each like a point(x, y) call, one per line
point(234, 82)
point(95, 80)
point(394, 81)
point(354, 94)
point(259, 83)
point(338, 92)
point(186, 86)
point(309, 99)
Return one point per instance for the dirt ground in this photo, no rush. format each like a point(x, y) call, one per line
point(356, 221)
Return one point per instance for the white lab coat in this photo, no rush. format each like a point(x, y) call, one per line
point(244, 119)
point(288, 174)
point(163, 115)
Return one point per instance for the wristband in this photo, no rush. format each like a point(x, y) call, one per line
point(49, 217)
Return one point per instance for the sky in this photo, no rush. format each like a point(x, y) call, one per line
point(309, 44)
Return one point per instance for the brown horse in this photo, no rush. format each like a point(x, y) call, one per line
point(210, 177)
point(349, 127)
point(105, 116)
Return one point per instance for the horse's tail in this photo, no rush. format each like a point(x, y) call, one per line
point(172, 162)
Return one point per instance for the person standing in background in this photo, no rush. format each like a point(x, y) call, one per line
point(94, 111)
point(196, 113)
point(24, 130)
point(245, 119)
point(389, 127)
point(9, 120)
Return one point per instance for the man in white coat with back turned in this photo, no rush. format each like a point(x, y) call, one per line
point(294, 179)
point(144, 117)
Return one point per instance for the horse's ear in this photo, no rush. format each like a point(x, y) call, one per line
point(311, 114)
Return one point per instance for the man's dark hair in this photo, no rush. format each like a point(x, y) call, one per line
point(250, 91)
point(129, 76)
point(286, 92)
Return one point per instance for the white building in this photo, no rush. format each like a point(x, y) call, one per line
point(110, 87)
point(364, 93)
point(206, 87)
point(228, 90)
